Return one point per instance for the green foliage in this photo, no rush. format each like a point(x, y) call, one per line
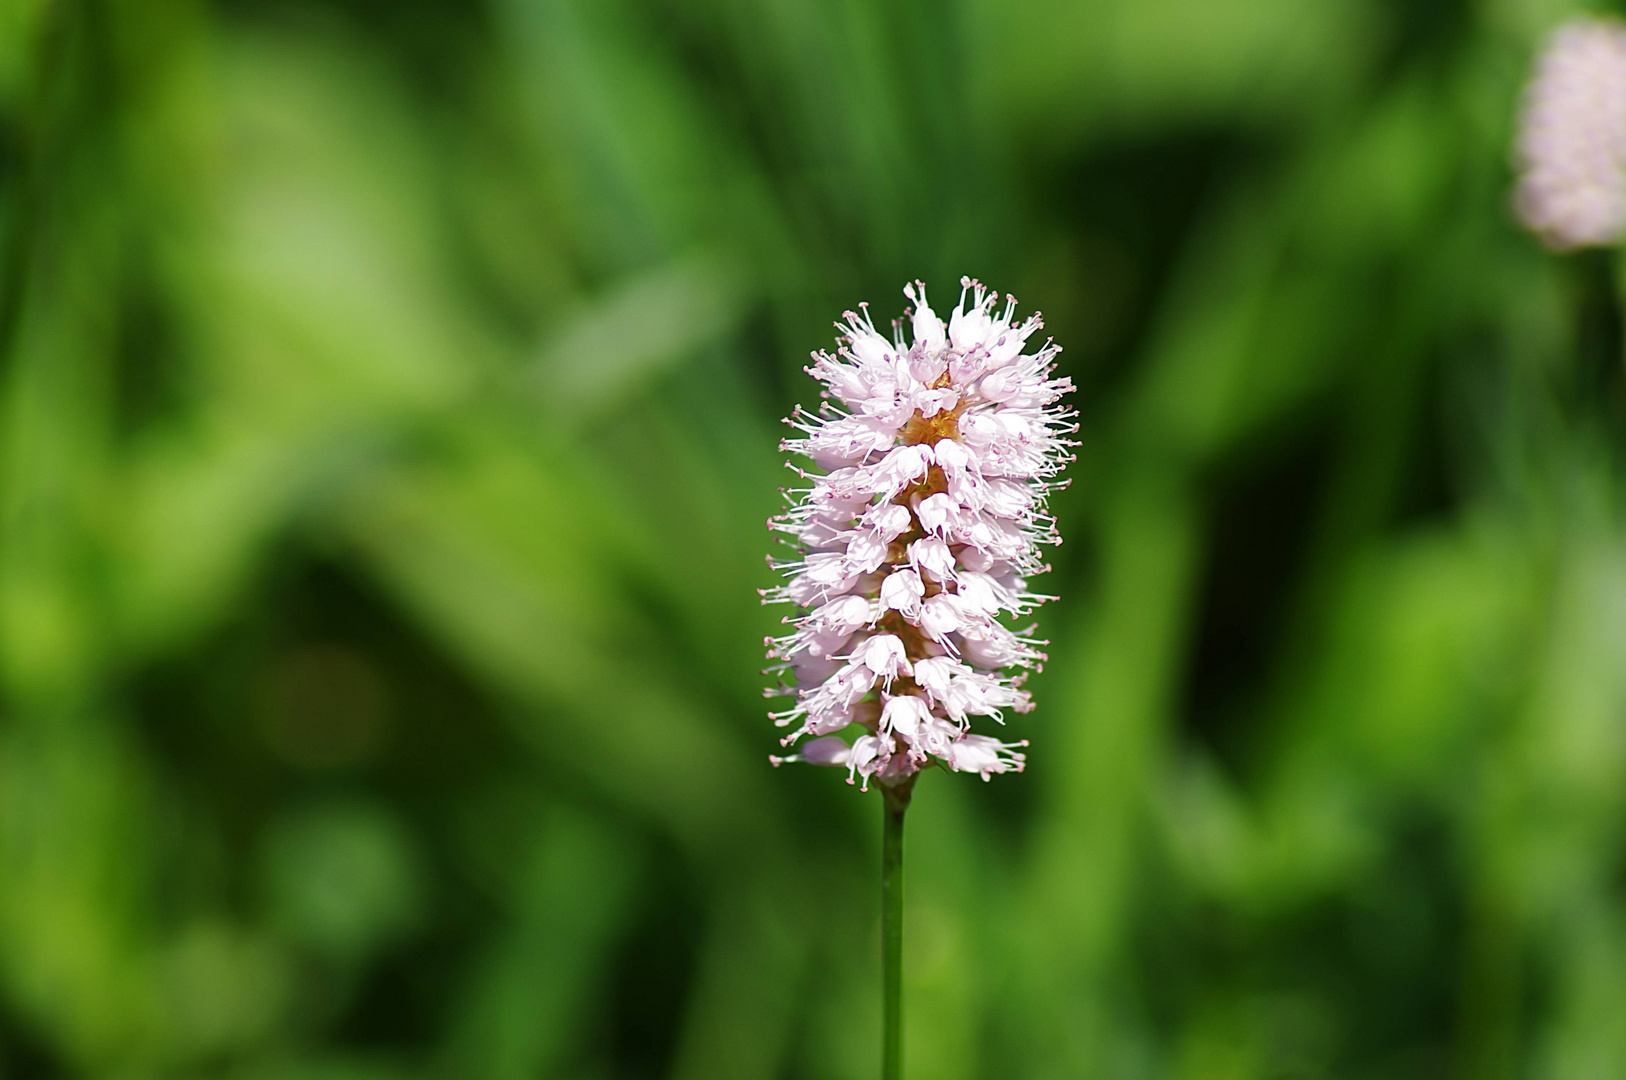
point(388, 399)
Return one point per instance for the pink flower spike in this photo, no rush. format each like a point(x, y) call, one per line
point(1571, 149)
point(917, 526)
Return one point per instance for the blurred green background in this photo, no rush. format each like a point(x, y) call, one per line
point(388, 417)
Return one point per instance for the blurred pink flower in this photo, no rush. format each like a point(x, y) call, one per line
point(919, 528)
point(1572, 137)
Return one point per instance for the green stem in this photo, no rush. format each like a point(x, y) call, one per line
point(896, 801)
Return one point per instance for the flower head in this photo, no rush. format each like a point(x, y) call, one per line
point(1572, 137)
point(916, 536)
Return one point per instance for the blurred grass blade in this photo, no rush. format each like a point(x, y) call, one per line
point(633, 333)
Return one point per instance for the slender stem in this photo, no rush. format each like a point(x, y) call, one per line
point(897, 801)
